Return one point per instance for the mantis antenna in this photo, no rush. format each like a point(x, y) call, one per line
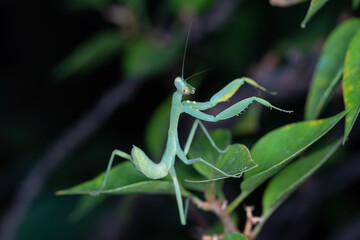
point(183, 62)
point(195, 74)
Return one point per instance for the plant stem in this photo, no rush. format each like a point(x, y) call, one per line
point(234, 204)
point(218, 208)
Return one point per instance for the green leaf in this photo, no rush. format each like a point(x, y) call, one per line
point(234, 236)
point(234, 161)
point(123, 179)
point(355, 4)
point(146, 57)
point(273, 151)
point(292, 176)
point(201, 147)
point(249, 123)
point(329, 67)
point(315, 6)
point(185, 172)
point(351, 83)
point(85, 205)
point(90, 55)
point(157, 129)
point(189, 5)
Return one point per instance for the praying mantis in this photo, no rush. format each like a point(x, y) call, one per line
point(173, 149)
point(195, 109)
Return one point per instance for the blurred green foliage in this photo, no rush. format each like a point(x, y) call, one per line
point(84, 46)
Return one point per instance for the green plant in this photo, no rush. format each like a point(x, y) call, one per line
point(273, 152)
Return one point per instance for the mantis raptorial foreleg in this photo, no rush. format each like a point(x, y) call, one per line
point(232, 111)
point(224, 94)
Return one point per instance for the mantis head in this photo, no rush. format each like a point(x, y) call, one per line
point(183, 87)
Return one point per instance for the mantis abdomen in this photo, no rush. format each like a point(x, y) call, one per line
point(154, 170)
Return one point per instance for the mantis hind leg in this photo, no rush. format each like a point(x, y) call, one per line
point(196, 160)
point(182, 212)
point(182, 154)
point(113, 154)
point(143, 164)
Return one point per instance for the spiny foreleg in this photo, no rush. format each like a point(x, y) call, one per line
point(224, 94)
point(232, 111)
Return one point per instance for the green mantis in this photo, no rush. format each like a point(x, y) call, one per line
point(173, 149)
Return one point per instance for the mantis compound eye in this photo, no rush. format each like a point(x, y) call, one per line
point(185, 91)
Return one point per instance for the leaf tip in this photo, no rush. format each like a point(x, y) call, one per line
point(60, 192)
point(344, 141)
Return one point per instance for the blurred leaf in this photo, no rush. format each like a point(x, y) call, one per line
point(304, 40)
point(355, 4)
point(351, 83)
point(157, 129)
point(87, 4)
point(330, 67)
point(189, 5)
point(273, 151)
point(249, 123)
point(234, 161)
point(234, 236)
point(146, 57)
point(285, 3)
point(292, 176)
point(122, 179)
point(90, 55)
point(126, 206)
point(85, 205)
point(138, 8)
point(315, 6)
point(39, 223)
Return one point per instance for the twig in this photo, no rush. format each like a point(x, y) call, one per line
point(250, 221)
point(218, 208)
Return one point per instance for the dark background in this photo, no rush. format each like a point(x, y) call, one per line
point(58, 131)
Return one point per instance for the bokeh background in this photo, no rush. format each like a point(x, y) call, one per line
point(80, 78)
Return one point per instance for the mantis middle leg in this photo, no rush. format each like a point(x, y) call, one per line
point(197, 122)
point(182, 156)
